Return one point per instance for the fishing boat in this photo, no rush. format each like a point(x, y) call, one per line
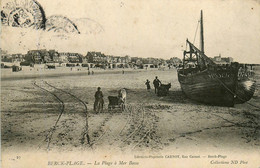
point(202, 80)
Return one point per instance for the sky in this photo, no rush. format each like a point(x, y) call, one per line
point(147, 28)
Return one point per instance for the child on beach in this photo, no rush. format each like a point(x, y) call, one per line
point(147, 83)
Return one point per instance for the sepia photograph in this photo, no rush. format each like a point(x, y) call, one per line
point(130, 83)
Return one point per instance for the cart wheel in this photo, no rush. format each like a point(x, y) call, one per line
point(122, 108)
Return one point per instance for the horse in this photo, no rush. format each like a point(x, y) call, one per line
point(163, 89)
point(122, 98)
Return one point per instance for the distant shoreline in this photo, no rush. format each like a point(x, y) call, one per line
point(46, 73)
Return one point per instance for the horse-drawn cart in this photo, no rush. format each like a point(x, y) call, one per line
point(115, 103)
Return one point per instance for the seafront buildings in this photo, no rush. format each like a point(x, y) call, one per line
point(91, 59)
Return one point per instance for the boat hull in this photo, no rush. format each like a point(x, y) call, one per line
point(245, 90)
point(204, 87)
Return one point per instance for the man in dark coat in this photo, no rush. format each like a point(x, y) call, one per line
point(98, 100)
point(156, 84)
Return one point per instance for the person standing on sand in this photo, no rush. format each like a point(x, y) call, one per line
point(99, 102)
point(156, 84)
point(147, 83)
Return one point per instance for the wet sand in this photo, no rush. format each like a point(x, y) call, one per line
point(149, 124)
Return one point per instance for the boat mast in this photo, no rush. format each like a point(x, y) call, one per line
point(201, 33)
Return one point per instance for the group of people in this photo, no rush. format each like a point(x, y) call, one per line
point(99, 101)
point(156, 84)
point(91, 72)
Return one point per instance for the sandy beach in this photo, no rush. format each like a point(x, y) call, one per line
point(149, 123)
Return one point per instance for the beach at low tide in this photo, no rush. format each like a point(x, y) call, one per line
point(149, 124)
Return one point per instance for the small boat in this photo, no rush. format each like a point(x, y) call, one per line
point(205, 81)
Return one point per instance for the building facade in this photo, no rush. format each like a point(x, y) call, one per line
point(222, 60)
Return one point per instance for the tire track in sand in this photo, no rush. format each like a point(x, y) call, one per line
point(68, 122)
point(62, 107)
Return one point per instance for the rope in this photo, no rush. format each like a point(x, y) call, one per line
point(235, 94)
point(196, 32)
